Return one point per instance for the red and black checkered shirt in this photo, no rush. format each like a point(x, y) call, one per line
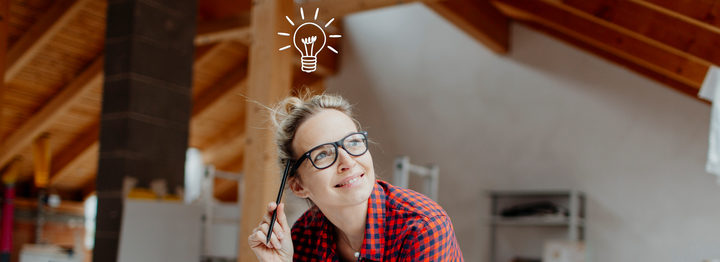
point(402, 225)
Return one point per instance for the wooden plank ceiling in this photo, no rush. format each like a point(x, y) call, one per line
point(54, 60)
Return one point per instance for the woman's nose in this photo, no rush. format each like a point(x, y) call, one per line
point(345, 160)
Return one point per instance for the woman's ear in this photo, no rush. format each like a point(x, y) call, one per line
point(296, 186)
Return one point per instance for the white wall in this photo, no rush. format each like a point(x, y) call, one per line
point(545, 116)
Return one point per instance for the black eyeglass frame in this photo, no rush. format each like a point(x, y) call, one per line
point(335, 144)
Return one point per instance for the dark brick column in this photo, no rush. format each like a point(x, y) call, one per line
point(146, 105)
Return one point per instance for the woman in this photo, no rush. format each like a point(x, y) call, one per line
point(354, 217)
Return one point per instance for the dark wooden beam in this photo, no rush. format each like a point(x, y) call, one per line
point(39, 34)
point(41, 121)
point(660, 78)
point(702, 41)
point(479, 19)
point(75, 154)
point(609, 37)
point(336, 9)
point(4, 35)
point(230, 84)
point(235, 28)
point(704, 11)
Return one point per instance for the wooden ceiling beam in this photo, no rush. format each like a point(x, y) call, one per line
point(609, 37)
point(39, 34)
point(232, 83)
point(226, 190)
point(479, 19)
point(80, 151)
point(226, 147)
point(58, 105)
point(227, 29)
point(674, 84)
point(700, 40)
point(4, 35)
point(336, 9)
point(706, 11)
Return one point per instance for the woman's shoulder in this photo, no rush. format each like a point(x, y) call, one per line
point(409, 202)
point(310, 220)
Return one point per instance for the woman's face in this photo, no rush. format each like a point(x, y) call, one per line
point(349, 181)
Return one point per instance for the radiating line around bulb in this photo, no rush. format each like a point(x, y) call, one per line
point(328, 23)
point(291, 22)
point(284, 34)
point(288, 46)
point(302, 14)
point(332, 49)
point(335, 36)
point(316, 12)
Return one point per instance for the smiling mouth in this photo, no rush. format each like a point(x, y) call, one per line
point(351, 181)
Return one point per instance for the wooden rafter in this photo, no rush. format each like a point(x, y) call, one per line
point(678, 86)
point(226, 147)
point(336, 9)
point(233, 28)
point(74, 155)
point(86, 144)
point(41, 121)
point(30, 44)
point(689, 36)
point(4, 34)
point(231, 83)
point(614, 39)
point(705, 11)
point(479, 19)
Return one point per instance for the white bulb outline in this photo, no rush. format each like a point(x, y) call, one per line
point(319, 49)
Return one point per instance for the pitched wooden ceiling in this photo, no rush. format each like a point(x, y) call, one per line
point(53, 76)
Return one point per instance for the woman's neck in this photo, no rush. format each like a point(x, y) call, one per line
point(350, 221)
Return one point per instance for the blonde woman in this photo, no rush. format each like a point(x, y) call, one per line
point(354, 216)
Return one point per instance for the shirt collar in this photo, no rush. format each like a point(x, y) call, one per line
point(374, 242)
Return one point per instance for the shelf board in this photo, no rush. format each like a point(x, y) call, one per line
point(534, 221)
point(533, 193)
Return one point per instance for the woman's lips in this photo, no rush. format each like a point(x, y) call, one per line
point(350, 181)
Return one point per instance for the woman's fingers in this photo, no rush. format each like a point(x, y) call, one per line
point(259, 237)
point(263, 228)
point(282, 220)
point(276, 230)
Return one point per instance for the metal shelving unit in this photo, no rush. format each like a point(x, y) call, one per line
point(572, 200)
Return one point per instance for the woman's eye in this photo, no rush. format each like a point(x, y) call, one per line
point(320, 156)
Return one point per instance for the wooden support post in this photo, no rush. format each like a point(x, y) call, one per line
point(4, 14)
point(269, 80)
point(41, 160)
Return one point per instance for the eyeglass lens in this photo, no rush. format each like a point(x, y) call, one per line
point(325, 155)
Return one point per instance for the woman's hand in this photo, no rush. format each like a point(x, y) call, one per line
point(280, 247)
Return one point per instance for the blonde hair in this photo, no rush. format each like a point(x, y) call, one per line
point(291, 112)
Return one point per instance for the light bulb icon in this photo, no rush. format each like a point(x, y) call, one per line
point(309, 39)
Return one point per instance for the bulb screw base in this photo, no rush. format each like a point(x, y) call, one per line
point(309, 64)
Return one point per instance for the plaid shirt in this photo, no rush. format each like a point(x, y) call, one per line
point(402, 225)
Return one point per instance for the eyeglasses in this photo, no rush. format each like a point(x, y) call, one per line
point(325, 155)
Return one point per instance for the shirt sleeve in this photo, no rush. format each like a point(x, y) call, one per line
point(431, 239)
